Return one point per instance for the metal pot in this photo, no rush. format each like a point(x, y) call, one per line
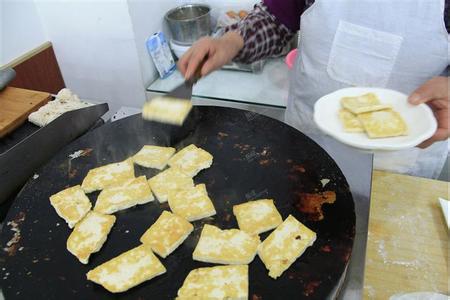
point(189, 22)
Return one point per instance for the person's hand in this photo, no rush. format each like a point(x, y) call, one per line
point(215, 52)
point(435, 93)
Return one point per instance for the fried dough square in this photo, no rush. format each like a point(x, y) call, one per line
point(155, 157)
point(127, 194)
point(383, 123)
point(167, 233)
point(191, 160)
point(104, 176)
point(350, 121)
point(89, 235)
point(284, 245)
point(255, 217)
point(127, 270)
point(168, 181)
point(220, 282)
point(192, 203)
point(167, 110)
point(71, 204)
point(363, 103)
point(232, 246)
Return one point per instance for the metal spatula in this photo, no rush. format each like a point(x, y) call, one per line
point(174, 107)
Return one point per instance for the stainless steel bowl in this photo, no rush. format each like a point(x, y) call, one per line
point(189, 22)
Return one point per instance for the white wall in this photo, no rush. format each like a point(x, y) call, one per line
point(95, 47)
point(147, 17)
point(20, 29)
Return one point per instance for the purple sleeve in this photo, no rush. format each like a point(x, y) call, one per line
point(287, 12)
point(263, 35)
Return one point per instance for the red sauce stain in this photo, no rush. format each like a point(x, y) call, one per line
point(311, 287)
point(73, 173)
point(242, 147)
point(346, 256)
point(326, 248)
point(293, 177)
point(227, 217)
point(311, 204)
point(221, 135)
point(264, 162)
point(86, 152)
point(298, 168)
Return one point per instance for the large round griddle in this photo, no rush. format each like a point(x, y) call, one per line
point(254, 157)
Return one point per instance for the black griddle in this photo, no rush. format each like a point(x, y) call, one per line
point(254, 157)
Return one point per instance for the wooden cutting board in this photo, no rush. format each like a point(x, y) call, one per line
point(407, 248)
point(15, 106)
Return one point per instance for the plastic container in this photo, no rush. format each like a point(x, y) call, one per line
point(160, 52)
point(290, 58)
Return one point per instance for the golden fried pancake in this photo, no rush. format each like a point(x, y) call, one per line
point(383, 123)
point(232, 246)
point(255, 217)
point(284, 245)
point(363, 103)
point(191, 160)
point(167, 233)
point(89, 235)
point(167, 110)
point(127, 194)
point(350, 121)
point(192, 203)
point(168, 181)
point(221, 282)
point(153, 156)
point(127, 270)
point(111, 174)
point(71, 204)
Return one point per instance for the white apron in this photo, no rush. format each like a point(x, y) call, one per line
point(395, 44)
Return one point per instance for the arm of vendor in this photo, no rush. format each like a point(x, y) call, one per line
point(269, 27)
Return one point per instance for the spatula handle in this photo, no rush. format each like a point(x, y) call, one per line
point(198, 72)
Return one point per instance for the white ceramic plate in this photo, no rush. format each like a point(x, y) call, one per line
point(420, 119)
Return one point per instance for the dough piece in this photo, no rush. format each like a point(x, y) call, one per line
point(89, 235)
point(167, 110)
point(350, 121)
point(192, 203)
point(255, 217)
point(284, 245)
point(112, 174)
point(64, 101)
point(383, 123)
point(71, 204)
point(125, 195)
point(127, 270)
point(220, 282)
point(229, 247)
point(191, 160)
point(364, 103)
point(153, 156)
point(169, 181)
point(167, 233)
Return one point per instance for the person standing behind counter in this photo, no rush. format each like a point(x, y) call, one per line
point(400, 45)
